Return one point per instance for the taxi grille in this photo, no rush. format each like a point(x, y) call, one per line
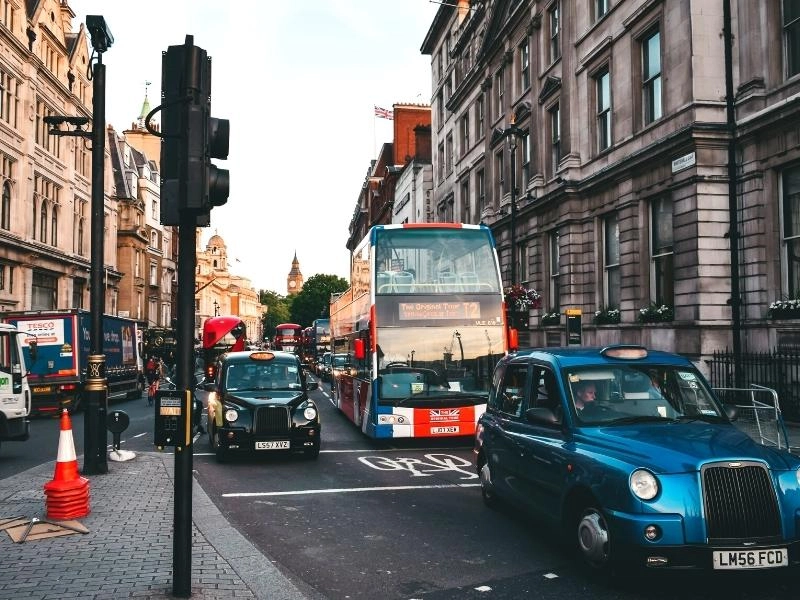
point(740, 502)
point(272, 420)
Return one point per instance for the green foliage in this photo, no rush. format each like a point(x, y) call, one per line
point(277, 311)
point(313, 301)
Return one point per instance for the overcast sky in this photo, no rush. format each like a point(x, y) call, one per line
point(298, 82)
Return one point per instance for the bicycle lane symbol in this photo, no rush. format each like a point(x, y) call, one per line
point(432, 464)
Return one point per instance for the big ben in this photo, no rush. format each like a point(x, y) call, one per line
point(294, 282)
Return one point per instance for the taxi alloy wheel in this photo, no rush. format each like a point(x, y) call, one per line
point(594, 538)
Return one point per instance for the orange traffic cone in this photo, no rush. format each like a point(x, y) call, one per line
point(67, 495)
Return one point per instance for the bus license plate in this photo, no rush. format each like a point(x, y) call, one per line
point(751, 559)
point(451, 429)
point(41, 389)
point(280, 445)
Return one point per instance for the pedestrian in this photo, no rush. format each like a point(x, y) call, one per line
point(154, 375)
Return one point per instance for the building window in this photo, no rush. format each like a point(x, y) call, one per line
point(5, 209)
point(499, 86)
point(651, 77)
point(51, 143)
point(555, 272)
point(499, 172)
point(440, 165)
point(611, 270)
point(555, 33)
point(78, 286)
point(82, 158)
point(43, 223)
point(465, 133)
point(791, 34)
point(44, 289)
point(154, 239)
point(791, 230)
point(465, 216)
point(662, 252)
point(79, 221)
point(479, 117)
point(524, 65)
point(2, 276)
point(153, 274)
point(440, 109)
point(480, 191)
point(54, 227)
point(600, 9)
point(9, 98)
point(603, 87)
point(449, 151)
point(7, 14)
point(524, 267)
point(525, 149)
point(555, 138)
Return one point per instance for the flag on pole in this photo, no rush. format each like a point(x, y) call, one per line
point(384, 113)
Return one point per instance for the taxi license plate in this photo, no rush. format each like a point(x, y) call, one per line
point(451, 429)
point(751, 559)
point(280, 445)
point(41, 389)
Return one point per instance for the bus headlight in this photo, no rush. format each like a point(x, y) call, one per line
point(644, 484)
point(231, 415)
point(310, 413)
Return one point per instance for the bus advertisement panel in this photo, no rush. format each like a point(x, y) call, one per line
point(416, 337)
point(220, 335)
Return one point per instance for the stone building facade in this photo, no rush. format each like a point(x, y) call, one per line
point(615, 114)
point(45, 185)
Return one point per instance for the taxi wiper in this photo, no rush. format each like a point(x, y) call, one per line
point(698, 417)
point(638, 419)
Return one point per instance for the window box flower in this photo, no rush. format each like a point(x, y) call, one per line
point(519, 298)
point(784, 309)
point(551, 318)
point(608, 316)
point(656, 313)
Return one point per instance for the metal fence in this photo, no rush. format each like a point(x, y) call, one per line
point(777, 370)
point(758, 414)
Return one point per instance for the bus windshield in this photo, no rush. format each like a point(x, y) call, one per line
point(435, 261)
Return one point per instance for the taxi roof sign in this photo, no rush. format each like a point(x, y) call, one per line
point(630, 352)
point(262, 356)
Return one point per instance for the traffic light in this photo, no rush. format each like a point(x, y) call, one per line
point(192, 137)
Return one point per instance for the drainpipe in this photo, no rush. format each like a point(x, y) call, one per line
point(733, 234)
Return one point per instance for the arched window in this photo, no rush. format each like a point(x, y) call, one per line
point(5, 210)
point(54, 227)
point(154, 239)
point(43, 223)
point(33, 219)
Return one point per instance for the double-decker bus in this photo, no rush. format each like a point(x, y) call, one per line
point(221, 334)
point(287, 337)
point(417, 335)
point(322, 338)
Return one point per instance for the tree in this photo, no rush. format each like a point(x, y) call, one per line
point(313, 301)
point(277, 311)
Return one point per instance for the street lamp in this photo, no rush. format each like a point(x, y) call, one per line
point(512, 132)
point(216, 308)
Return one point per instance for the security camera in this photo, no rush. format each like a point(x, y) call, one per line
point(101, 35)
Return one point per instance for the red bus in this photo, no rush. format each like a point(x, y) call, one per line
point(416, 337)
point(220, 335)
point(288, 337)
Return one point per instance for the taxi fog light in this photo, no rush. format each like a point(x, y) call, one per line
point(644, 484)
point(231, 435)
point(231, 415)
point(652, 533)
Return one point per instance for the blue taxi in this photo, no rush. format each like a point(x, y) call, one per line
point(630, 452)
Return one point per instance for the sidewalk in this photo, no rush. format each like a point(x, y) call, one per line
point(128, 550)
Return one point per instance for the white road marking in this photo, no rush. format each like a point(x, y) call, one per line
point(550, 576)
point(348, 490)
point(140, 434)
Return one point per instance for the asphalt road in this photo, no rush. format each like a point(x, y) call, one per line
point(398, 520)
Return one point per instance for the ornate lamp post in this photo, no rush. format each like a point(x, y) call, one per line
point(512, 132)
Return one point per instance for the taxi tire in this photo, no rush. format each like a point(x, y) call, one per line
point(593, 542)
point(488, 493)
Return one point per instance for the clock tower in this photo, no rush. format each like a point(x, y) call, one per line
point(294, 282)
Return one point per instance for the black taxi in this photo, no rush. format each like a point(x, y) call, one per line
point(258, 403)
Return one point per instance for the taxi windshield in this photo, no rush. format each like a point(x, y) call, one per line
point(262, 376)
point(628, 394)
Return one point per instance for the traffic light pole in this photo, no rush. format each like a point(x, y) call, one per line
point(94, 433)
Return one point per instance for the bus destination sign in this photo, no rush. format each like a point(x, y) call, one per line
point(421, 311)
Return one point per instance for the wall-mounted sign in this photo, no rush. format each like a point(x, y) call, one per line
point(683, 162)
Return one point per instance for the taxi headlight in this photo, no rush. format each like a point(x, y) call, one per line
point(231, 415)
point(310, 413)
point(644, 484)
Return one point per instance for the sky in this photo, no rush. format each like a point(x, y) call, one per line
point(298, 81)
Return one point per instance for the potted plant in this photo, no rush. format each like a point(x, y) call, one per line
point(784, 309)
point(607, 316)
point(520, 298)
point(656, 313)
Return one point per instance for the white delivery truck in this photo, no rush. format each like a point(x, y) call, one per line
point(15, 394)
